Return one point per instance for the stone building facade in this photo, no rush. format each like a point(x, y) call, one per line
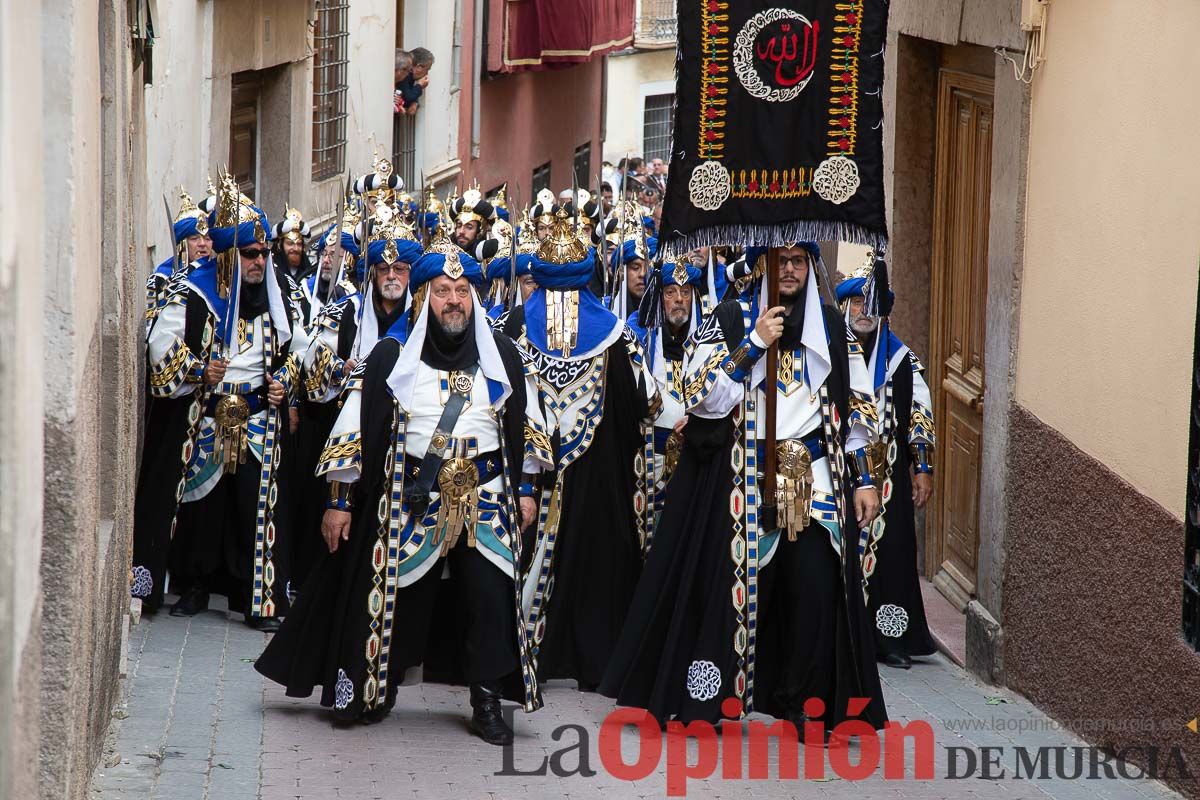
point(71, 276)
point(1044, 255)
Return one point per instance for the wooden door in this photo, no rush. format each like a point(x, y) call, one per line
point(243, 131)
point(962, 193)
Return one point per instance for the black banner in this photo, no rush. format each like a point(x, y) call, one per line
point(778, 123)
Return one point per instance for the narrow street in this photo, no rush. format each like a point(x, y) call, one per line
point(198, 723)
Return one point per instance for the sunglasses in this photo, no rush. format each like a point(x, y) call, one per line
point(399, 268)
point(253, 254)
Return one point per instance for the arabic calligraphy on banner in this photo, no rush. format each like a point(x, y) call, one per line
point(775, 53)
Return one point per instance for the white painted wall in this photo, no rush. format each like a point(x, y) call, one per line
point(181, 130)
point(178, 114)
point(369, 98)
point(632, 78)
point(21, 346)
point(431, 24)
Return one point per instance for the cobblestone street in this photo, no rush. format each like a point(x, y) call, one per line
point(200, 724)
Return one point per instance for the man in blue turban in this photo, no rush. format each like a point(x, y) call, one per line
point(599, 398)
point(212, 500)
point(427, 498)
point(190, 237)
point(352, 322)
point(670, 312)
point(746, 597)
point(903, 464)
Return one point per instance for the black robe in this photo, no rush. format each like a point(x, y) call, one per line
point(597, 558)
point(676, 656)
point(323, 640)
point(316, 421)
point(156, 498)
point(214, 540)
point(895, 581)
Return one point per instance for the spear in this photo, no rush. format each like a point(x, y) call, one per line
point(603, 245)
point(511, 290)
point(335, 271)
point(768, 507)
point(174, 245)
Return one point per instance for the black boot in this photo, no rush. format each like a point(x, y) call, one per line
point(798, 720)
point(486, 721)
point(192, 602)
point(264, 624)
point(897, 660)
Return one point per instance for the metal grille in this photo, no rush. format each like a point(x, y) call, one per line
point(404, 149)
point(541, 179)
point(656, 127)
point(330, 38)
point(1191, 567)
point(583, 164)
point(656, 24)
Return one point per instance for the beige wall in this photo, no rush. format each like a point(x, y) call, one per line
point(630, 79)
point(20, 391)
point(1113, 226)
point(187, 108)
point(431, 24)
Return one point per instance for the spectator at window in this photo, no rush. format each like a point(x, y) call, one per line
point(403, 73)
point(413, 87)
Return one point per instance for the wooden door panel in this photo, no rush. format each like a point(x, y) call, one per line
point(960, 505)
point(962, 197)
point(243, 131)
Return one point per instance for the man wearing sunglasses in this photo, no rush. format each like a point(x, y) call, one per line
point(229, 364)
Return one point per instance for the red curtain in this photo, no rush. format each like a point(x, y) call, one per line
point(543, 34)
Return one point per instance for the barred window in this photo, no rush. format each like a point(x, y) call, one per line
point(329, 88)
point(541, 178)
point(656, 127)
point(583, 164)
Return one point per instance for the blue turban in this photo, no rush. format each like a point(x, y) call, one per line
point(502, 213)
point(499, 267)
point(348, 243)
point(562, 277)
point(694, 275)
point(856, 287)
point(241, 235)
point(431, 265)
point(184, 228)
point(851, 287)
point(628, 250)
point(432, 218)
point(407, 251)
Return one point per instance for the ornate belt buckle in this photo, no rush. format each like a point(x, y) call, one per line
point(792, 458)
point(231, 416)
point(232, 411)
point(461, 382)
point(458, 480)
point(793, 489)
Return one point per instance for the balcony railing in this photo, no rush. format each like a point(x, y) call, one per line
point(655, 24)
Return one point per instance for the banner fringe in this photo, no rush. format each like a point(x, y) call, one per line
point(776, 235)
